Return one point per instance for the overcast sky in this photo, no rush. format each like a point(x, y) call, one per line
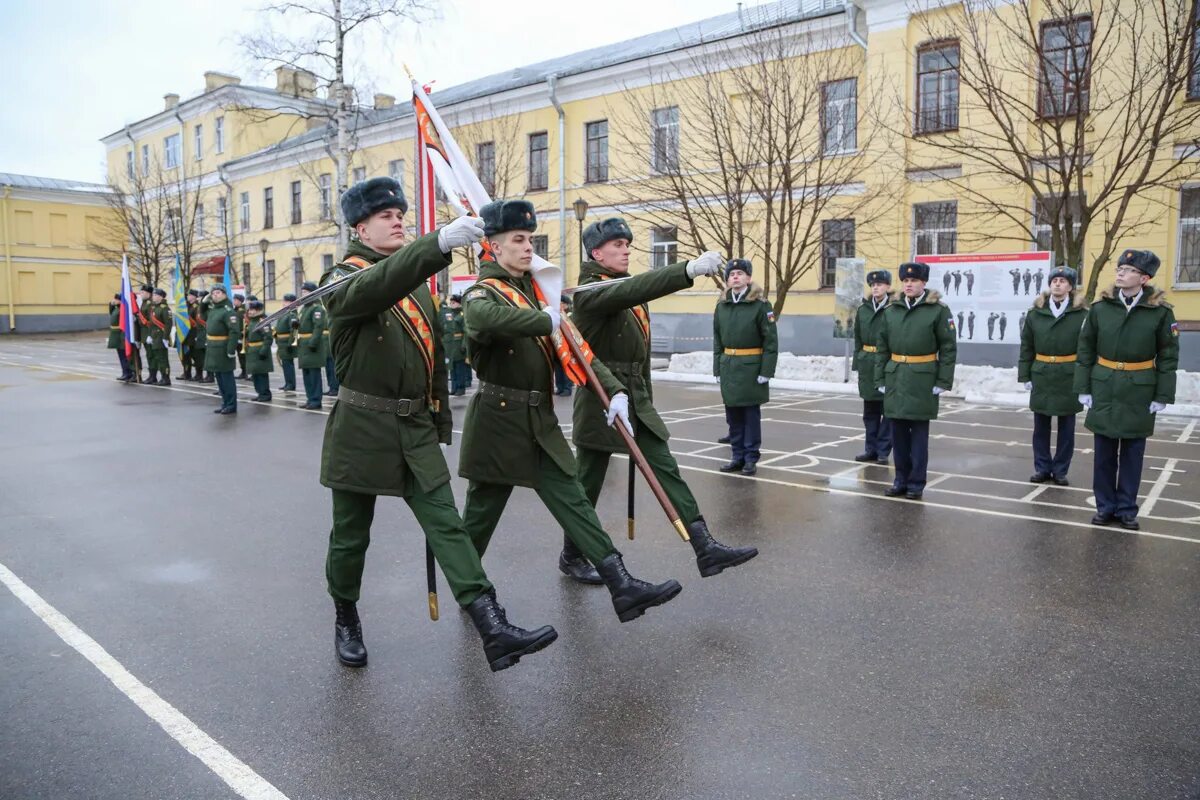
point(80, 69)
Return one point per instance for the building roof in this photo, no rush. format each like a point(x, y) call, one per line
point(56, 184)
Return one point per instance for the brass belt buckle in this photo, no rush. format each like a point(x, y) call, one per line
point(404, 408)
point(1121, 365)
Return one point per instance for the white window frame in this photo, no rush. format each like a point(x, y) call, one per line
point(129, 163)
point(1038, 230)
point(222, 216)
point(664, 140)
point(172, 151)
point(486, 166)
point(1193, 226)
point(664, 246)
point(541, 245)
point(296, 200)
point(268, 276)
point(145, 159)
point(174, 224)
point(200, 234)
point(220, 134)
point(198, 142)
point(325, 184)
point(397, 170)
point(358, 175)
point(297, 274)
point(839, 119)
point(935, 233)
point(543, 154)
point(244, 218)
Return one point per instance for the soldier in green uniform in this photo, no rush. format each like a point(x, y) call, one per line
point(918, 348)
point(196, 340)
point(200, 325)
point(258, 353)
point(452, 341)
point(141, 321)
point(157, 339)
point(1125, 375)
point(511, 436)
point(1049, 344)
point(383, 432)
point(615, 321)
point(224, 333)
point(187, 353)
point(239, 307)
point(868, 320)
point(286, 328)
point(116, 337)
point(745, 349)
point(313, 347)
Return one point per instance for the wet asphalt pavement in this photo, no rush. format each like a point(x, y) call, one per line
point(986, 643)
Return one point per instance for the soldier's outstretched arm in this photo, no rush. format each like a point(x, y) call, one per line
point(390, 279)
point(634, 291)
point(486, 316)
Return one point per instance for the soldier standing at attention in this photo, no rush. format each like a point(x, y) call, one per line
point(918, 347)
point(1049, 343)
point(286, 328)
point(116, 338)
point(158, 334)
point(258, 353)
point(745, 349)
point(511, 436)
point(312, 346)
point(867, 324)
point(454, 344)
point(187, 351)
point(1125, 375)
point(197, 335)
point(615, 321)
point(392, 412)
point(239, 307)
point(224, 333)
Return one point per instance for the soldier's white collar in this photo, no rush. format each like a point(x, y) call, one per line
point(1057, 308)
point(913, 302)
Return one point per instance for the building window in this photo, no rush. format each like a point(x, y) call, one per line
point(174, 224)
point(296, 216)
point(485, 160)
point(360, 174)
point(222, 216)
point(268, 279)
point(1194, 67)
point(200, 221)
point(396, 171)
point(596, 154)
point(541, 246)
point(837, 241)
point(145, 159)
point(539, 161)
point(323, 185)
point(198, 142)
point(937, 88)
point(171, 154)
point(935, 228)
point(297, 275)
point(245, 203)
point(664, 138)
point(269, 207)
point(1188, 270)
point(220, 142)
point(664, 247)
point(245, 276)
point(129, 163)
point(1066, 67)
point(1044, 215)
point(839, 116)
point(326, 262)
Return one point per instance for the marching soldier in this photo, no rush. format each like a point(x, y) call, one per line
point(224, 333)
point(1128, 355)
point(455, 347)
point(258, 353)
point(616, 324)
point(157, 339)
point(745, 349)
point(239, 307)
point(286, 328)
point(313, 347)
point(868, 322)
point(918, 347)
point(1049, 344)
point(511, 436)
point(116, 337)
point(382, 434)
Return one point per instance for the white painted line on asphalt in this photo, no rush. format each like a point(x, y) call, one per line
point(228, 767)
point(1034, 493)
point(1160, 483)
point(1187, 433)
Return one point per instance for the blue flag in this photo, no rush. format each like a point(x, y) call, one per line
point(227, 279)
point(179, 308)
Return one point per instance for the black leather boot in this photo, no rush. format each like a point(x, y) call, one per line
point(572, 564)
point(347, 635)
point(712, 557)
point(152, 377)
point(503, 642)
point(631, 597)
point(165, 380)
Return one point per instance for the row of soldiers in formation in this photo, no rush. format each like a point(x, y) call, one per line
point(1116, 358)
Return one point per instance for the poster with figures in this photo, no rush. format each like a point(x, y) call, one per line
point(989, 294)
point(849, 289)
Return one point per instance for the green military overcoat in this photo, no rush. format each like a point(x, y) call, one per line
point(1044, 334)
point(503, 439)
point(258, 348)
point(224, 331)
point(116, 336)
point(1121, 398)
point(925, 329)
point(313, 346)
point(453, 333)
point(748, 324)
point(868, 322)
point(158, 338)
point(286, 328)
point(197, 311)
point(372, 452)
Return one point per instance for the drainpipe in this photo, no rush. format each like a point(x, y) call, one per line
point(852, 23)
point(12, 306)
point(552, 83)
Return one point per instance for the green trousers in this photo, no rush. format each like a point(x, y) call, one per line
point(560, 493)
point(156, 359)
point(438, 518)
point(593, 465)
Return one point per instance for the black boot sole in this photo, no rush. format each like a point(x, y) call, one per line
point(717, 569)
point(672, 590)
point(509, 659)
point(346, 662)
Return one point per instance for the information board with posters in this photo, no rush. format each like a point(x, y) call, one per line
point(849, 290)
point(989, 294)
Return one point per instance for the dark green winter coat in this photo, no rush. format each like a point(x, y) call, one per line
point(1121, 398)
point(924, 329)
point(313, 346)
point(224, 333)
point(867, 326)
point(258, 348)
point(116, 336)
point(503, 439)
point(157, 331)
point(198, 334)
point(1043, 334)
point(286, 340)
point(371, 452)
point(453, 334)
point(744, 325)
point(608, 322)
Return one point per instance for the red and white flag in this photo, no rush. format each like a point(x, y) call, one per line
point(129, 307)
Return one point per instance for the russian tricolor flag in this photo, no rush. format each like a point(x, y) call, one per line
point(129, 306)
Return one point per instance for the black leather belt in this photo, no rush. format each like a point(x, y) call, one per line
point(401, 407)
point(627, 367)
point(530, 397)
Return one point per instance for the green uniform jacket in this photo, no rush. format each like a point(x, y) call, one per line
point(258, 348)
point(924, 329)
point(867, 326)
point(199, 334)
point(368, 451)
point(222, 322)
point(607, 321)
point(116, 336)
point(312, 344)
point(1121, 398)
point(156, 337)
point(453, 331)
point(286, 328)
point(745, 325)
point(1053, 382)
point(502, 438)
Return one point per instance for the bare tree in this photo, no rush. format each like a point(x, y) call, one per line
point(1097, 126)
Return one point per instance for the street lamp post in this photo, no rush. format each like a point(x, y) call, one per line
point(581, 208)
point(263, 244)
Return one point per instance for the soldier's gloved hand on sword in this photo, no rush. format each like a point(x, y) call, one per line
point(618, 408)
point(460, 233)
point(709, 263)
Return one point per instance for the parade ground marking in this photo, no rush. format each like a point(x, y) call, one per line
point(228, 767)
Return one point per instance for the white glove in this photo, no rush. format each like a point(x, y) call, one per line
point(1029, 386)
point(761, 379)
point(708, 263)
point(938, 390)
point(881, 389)
point(459, 233)
point(618, 408)
point(1156, 407)
point(1085, 400)
point(555, 317)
